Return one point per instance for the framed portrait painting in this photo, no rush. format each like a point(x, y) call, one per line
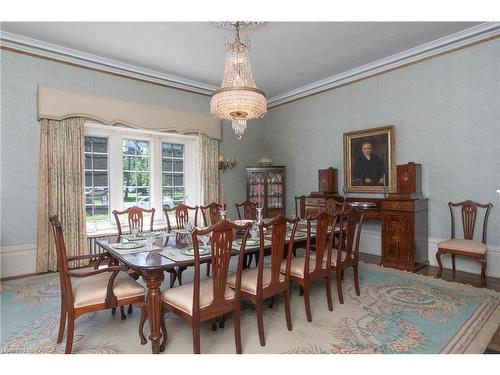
point(369, 162)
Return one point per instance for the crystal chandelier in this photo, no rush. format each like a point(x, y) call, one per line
point(238, 99)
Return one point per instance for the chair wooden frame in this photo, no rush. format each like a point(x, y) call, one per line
point(469, 210)
point(300, 207)
point(249, 210)
point(221, 252)
point(278, 227)
point(181, 215)
point(69, 312)
point(211, 213)
point(135, 218)
point(334, 207)
point(322, 258)
point(348, 244)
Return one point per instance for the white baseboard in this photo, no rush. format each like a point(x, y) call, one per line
point(371, 244)
point(17, 260)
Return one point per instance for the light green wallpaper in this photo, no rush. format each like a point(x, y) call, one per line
point(20, 76)
point(446, 112)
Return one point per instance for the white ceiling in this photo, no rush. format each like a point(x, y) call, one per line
point(284, 55)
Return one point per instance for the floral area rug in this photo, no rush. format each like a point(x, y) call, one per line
point(397, 312)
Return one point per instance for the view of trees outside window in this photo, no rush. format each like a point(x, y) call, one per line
point(136, 174)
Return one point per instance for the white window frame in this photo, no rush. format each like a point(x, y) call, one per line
point(116, 135)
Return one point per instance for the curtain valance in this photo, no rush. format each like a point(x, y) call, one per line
point(56, 104)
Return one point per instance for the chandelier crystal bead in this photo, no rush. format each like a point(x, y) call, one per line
point(238, 99)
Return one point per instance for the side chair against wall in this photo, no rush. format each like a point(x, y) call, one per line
point(467, 246)
point(263, 282)
point(91, 289)
point(314, 266)
point(246, 210)
point(183, 214)
point(346, 252)
point(300, 207)
point(211, 216)
point(135, 219)
point(207, 299)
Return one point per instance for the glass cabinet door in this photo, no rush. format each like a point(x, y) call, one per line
point(274, 193)
point(256, 180)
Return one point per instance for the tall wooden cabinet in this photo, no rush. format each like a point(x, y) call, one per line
point(272, 184)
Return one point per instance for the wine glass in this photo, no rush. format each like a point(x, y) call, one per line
point(204, 240)
point(150, 239)
point(253, 231)
point(135, 232)
point(188, 226)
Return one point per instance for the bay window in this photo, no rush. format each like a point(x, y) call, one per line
point(129, 167)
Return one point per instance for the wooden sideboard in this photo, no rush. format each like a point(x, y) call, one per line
point(404, 227)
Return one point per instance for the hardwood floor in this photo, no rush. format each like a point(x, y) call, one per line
point(459, 277)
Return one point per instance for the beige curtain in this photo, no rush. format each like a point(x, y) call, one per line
point(61, 190)
point(209, 153)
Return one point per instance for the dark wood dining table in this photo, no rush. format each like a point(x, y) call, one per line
point(151, 265)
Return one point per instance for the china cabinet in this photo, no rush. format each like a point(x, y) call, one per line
point(271, 181)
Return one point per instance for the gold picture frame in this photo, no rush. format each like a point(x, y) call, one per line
point(369, 160)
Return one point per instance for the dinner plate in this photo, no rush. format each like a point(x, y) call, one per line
point(190, 251)
point(250, 242)
point(128, 245)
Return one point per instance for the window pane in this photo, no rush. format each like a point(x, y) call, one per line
point(166, 150)
point(173, 173)
point(179, 180)
point(100, 162)
point(96, 179)
point(100, 145)
point(167, 179)
point(136, 174)
point(88, 161)
point(178, 166)
point(178, 151)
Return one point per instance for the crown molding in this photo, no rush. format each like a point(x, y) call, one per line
point(446, 44)
point(87, 60)
point(437, 47)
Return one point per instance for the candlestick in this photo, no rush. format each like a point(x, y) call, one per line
point(259, 215)
point(260, 203)
point(222, 195)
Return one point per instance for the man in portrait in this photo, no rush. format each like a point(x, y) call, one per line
point(368, 169)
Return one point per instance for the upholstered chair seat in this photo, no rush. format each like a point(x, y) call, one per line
point(249, 279)
point(297, 266)
point(182, 296)
point(92, 290)
point(334, 257)
point(467, 246)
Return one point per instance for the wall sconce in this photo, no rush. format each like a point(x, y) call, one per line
point(226, 164)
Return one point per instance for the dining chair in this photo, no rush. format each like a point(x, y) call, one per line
point(211, 213)
point(267, 281)
point(91, 289)
point(346, 252)
point(467, 246)
point(333, 206)
point(314, 266)
point(183, 214)
point(203, 300)
point(300, 206)
point(211, 216)
point(249, 210)
point(135, 218)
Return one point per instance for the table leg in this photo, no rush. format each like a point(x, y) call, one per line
point(153, 280)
